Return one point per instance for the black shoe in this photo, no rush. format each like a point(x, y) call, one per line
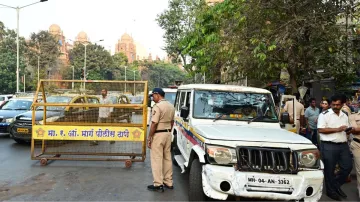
point(156, 188)
point(341, 193)
point(334, 197)
point(168, 187)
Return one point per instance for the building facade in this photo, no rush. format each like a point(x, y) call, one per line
point(127, 46)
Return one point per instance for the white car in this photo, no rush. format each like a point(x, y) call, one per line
point(170, 94)
point(4, 98)
point(230, 141)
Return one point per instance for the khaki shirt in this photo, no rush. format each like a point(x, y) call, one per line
point(354, 120)
point(163, 113)
point(346, 109)
point(289, 107)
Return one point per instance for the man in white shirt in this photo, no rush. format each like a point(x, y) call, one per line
point(104, 112)
point(332, 125)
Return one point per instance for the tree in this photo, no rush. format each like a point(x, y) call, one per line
point(119, 62)
point(260, 38)
point(162, 74)
point(45, 48)
point(98, 61)
point(8, 59)
point(177, 21)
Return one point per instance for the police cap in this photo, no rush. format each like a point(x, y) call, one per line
point(158, 91)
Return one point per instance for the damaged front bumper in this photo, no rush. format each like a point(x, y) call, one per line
point(219, 182)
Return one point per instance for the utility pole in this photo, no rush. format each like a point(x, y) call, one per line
point(73, 75)
point(38, 68)
point(125, 79)
point(24, 82)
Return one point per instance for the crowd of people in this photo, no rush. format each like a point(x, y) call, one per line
point(334, 128)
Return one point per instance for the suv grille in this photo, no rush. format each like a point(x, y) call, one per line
point(23, 123)
point(271, 160)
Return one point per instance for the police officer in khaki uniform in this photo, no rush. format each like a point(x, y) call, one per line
point(159, 141)
point(299, 108)
point(354, 120)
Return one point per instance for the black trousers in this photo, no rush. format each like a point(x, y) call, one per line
point(333, 154)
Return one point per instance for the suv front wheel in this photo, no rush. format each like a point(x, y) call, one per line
point(196, 192)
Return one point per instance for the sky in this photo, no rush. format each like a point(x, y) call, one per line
point(100, 19)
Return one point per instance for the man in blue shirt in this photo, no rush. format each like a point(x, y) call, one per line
point(311, 116)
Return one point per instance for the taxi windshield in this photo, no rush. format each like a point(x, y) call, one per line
point(55, 99)
point(237, 106)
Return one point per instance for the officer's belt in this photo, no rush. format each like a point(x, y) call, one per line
point(356, 140)
point(163, 131)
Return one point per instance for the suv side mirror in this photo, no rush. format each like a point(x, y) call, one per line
point(184, 112)
point(285, 118)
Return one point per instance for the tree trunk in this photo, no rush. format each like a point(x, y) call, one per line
point(293, 79)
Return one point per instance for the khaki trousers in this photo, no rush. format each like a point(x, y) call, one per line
point(355, 149)
point(161, 163)
point(297, 125)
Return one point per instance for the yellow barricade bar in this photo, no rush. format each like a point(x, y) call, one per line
point(91, 133)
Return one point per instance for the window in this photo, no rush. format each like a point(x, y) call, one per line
point(177, 101)
point(182, 99)
point(93, 100)
point(17, 105)
point(235, 106)
point(188, 96)
point(78, 109)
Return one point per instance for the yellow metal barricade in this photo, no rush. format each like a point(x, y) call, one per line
point(82, 125)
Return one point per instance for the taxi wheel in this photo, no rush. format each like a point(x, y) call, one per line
point(196, 192)
point(43, 162)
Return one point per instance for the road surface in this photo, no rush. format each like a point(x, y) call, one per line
point(24, 179)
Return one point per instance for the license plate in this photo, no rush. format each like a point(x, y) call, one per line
point(277, 181)
point(22, 130)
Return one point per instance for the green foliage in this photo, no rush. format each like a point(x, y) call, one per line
point(8, 60)
point(47, 48)
point(260, 38)
point(160, 74)
point(177, 21)
point(98, 61)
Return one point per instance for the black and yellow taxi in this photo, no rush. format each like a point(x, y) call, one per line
point(21, 127)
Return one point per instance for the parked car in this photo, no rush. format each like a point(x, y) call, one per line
point(4, 98)
point(21, 127)
point(229, 140)
point(10, 109)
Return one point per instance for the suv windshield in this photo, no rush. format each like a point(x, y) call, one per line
point(17, 105)
point(170, 97)
point(56, 99)
point(234, 106)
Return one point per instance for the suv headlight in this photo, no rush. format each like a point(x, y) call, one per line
point(221, 155)
point(51, 119)
point(10, 120)
point(309, 158)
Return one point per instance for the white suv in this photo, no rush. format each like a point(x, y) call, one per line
point(230, 140)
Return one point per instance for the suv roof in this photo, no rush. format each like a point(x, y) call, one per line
point(222, 87)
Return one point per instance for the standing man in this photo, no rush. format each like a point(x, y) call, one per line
point(345, 107)
point(331, 125)
point(104, 112)
point(159, 141)
point(299, 108)
point(311, 116)
point(355, 145)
